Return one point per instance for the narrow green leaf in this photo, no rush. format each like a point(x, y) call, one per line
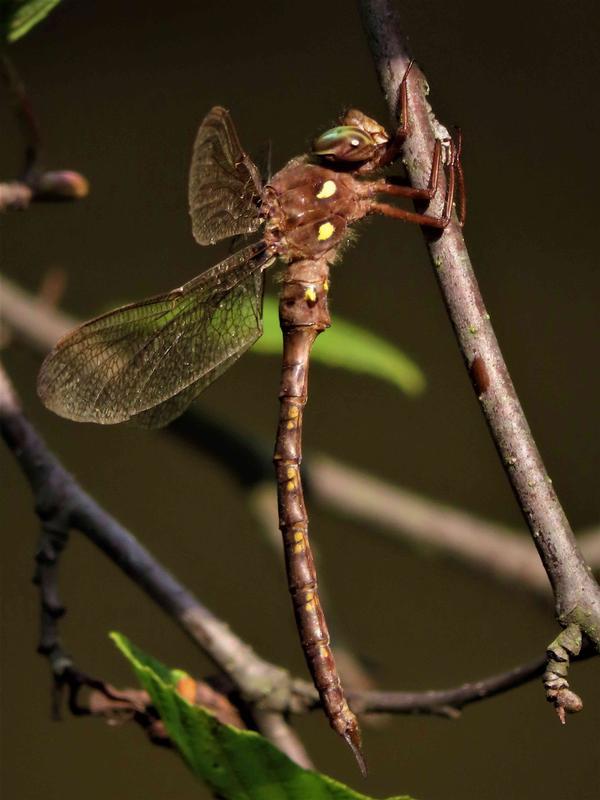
point(351, 347)
point(17, 17)
point(236, 764)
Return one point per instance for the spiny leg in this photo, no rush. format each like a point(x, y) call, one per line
point(440, 221)
point(303, 315)
point(383, 186)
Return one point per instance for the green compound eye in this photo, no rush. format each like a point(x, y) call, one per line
point(344, 143)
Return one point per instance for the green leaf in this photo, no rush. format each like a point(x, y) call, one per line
point(351, 347)
point(236, 764)
point(17, 17)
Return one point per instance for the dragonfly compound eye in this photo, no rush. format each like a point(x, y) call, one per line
point(345, 143)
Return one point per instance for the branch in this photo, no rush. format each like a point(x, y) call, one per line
point(58, 186)
point(576, 593)
point(26, 118)
point(448, 702)
point(34, 184)
point(15, 196)
point(485, 546)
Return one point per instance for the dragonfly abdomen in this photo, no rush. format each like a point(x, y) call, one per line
point(303, 315)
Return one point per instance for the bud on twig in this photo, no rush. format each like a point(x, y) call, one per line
point(61, 185)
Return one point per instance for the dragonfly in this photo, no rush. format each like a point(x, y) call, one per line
point(148, 361)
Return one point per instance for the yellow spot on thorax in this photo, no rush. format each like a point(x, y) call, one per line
point(327, 190)
point(291, 472)
point(298, 536)
point(326, 231)
point(309, 596)
point(310, 293)
point(291, 425)
point(325, 286)
point(299, 548)
point(309, 607)
point(293, 412)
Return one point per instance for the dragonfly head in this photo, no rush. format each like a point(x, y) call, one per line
point(357, 139)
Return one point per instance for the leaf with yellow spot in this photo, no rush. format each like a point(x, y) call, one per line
point(234, 764)
point(350, 347)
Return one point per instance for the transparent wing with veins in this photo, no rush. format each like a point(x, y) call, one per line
point(147, 361)
point(225, 186)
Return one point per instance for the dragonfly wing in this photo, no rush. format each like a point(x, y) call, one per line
point(145, 354)
point(170, 409)
point(224, 187)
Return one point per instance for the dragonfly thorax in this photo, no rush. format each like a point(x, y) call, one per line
point(307, 210)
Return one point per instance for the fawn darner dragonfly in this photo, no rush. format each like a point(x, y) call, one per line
point(146, 362)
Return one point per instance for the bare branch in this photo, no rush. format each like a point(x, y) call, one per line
point(448, 702)
point(576, 593)
point(14, 196)
point(47, 187)
point(34, 183)
point(28, 123)
point(483, 545)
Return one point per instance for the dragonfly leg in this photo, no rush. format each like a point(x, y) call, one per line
point(408, 216)
point(435, 221)
point(426, 193)
point(462, 192)
point(390, 151)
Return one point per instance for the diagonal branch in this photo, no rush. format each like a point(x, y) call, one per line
point(576, 593)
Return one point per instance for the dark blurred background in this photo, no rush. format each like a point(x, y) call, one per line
point(120, 89)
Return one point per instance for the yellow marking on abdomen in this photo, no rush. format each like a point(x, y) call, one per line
point(326, 231)
point(299, 548)
point(327, 190)
point(326, 286)
point(298, 536)
point(310, 293)
point(310, 607)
